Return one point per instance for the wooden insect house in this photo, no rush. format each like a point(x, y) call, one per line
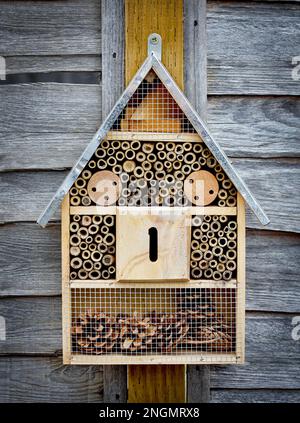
point(153, 236)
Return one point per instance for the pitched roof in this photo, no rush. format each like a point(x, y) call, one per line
point(152, 62)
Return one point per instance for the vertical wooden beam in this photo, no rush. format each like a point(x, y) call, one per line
point(65, 271)
point(195, 79)
point(142, 17)
point(112, 36)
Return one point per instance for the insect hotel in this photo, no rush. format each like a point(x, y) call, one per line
point(153, 236)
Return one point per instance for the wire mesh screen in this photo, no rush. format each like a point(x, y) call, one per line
point(152, 109)
point(153, 321)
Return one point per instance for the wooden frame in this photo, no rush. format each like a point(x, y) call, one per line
point(66, 292)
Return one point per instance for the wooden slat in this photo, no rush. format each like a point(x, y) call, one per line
point(144, 18)
point(254, 396)
point(271, 286)
point(45, 379)
point(267, 179)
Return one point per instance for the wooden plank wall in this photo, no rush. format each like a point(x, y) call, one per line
point(253, 109)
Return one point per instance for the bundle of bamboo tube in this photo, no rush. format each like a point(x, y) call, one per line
point(152, 173)
point(213, 248)
point(92, 247)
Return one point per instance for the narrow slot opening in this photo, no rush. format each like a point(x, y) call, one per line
point(153, 244)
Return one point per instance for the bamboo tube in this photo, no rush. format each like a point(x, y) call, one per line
point(82, 274)
point(231, 201)
point(105, 274)
point(179, 175)
point(197, 234)
point(158, 165)
point(75, 251)
point(208, 273)
point(158, 200)
point(196, 221)
point(117, 169)
point(213, 242)
point(207, 218)
point(193, 264)
point(204, 247)
point(116, 144)
point(86, 254)
point(89, 239)
point(204, 239)
point(217, 251)
point(129, 166)
point(140, 156)
point(97, 265)
point(170, 179)
point(231, 235)
point(202, 161)
point(161, 155)
point(168, 165)
point(75, 201)
point(122, 202)
point(220, 176)
point(215, 226)
point(226, 184)
point(160, 146)
point(110, 151)
point(171, 156)
point(98, 239)
point(105, 144)
point(221, 203)
point(163, 192)
point(86, 220)
point(180, 157)
point(197, 148)
point(76, 263)
point(147, 147)
point(141, 184)
point(232, 191)
point(205, 226)
point(223, 219)
point(101, 164)
point(227, 275)
point(208, 255)
point(126, 192)
point(217, 276)
point(222, 242)
point(222, 258)
point(92, 164)
point(160, 175)
point(88, 265)
point(73, 275)
point(203, 264)
point(162, 184)
point(125, 145)
point(195, 166)
point(189, 158)
point(170, 201)
point(210, 234)
point(104, 230)
point(182, 201)
point(211, 162)
point(179, 185)
point(94, 274)
point(196, 255)
point(102, 248)
point(138, 172)
point(196, 273)
point(111, 270)
point(74, 226)
point(221, 234)
point(74, 240)
point(179, 149)
point(135, 145)
point(120, 156)
point(231, 265)
point(186, 169)
point(232, 225)
point(96, 256)
point(170, 146)
point(100, 153)
point(108, 220)
point(108, 259)
point(130, 154)
point(231, 244)
point(195, 244)
point(83, 245)
point(97, 219)
point(218, 168)
point(112, 161)
point(80, 183)
point(93, 229)
point(176, 165)
point(213, 264)
point(173, 191)
point(206, 153)
point(109, 239)
point(221, 267)
point(111, 249)
point(146, 165)
point(231, 254)
point(86, 174)
point(148, 175)
point(92, 247)
point(124, 177)
point(187, 146)
point(86, 201)
point(222, 194)
point(73, 191)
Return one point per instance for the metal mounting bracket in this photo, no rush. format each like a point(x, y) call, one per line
point(155, 45)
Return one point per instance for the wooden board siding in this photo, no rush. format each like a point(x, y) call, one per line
point(253, 110)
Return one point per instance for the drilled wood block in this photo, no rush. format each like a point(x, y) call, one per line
point(139, 257)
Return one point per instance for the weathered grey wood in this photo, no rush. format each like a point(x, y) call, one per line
point(272, 357)
point(56, 27)
point(113, 43)
point(254, 396)
point(251, 46)
point(27, 267)
point(244, 126)
point(195, 83)
point(272, 181)
point(45, 379)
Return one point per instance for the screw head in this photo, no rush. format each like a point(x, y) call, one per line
point(154, 40)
